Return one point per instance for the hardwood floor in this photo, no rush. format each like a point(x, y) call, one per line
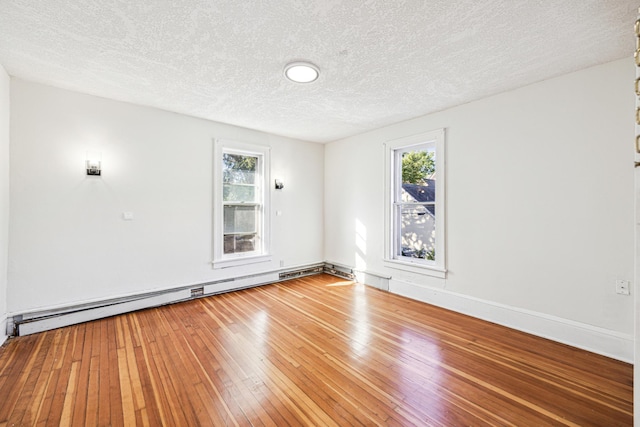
point(312, 351)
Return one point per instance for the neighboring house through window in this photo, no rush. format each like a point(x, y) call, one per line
point(415, 238)
point(241, 204)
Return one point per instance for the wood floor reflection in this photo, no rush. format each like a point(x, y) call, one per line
point(315, 351)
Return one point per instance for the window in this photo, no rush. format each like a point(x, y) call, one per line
point(241, 199)
point(415, 203)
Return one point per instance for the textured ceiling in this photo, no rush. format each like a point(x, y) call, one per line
point(381, 61)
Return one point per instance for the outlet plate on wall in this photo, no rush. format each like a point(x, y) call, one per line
point(622, 287)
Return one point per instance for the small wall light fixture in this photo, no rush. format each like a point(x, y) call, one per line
point(94, 164)
point(301, 72)
point(279, 184)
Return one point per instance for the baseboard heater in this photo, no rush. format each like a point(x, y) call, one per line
point(308, 271)
point(39, 321)
point(329, 268)
point(339, 271)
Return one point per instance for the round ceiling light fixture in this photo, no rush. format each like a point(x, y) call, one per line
point(301, 72)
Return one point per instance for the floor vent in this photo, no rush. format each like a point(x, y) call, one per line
point(197, 292)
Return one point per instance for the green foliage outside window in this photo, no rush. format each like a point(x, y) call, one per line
point(417, 166)
point(239, 169)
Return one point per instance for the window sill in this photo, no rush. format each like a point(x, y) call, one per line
point(240, 261)
point(428, 270)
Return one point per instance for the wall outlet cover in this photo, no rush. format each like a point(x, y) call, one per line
point(623, 287)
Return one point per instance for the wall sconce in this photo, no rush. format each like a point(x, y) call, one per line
point(279, 184)
point(94, 164)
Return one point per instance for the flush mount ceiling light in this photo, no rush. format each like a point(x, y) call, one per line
point(301, 72)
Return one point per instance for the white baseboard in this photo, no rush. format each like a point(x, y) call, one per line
point(373, 279)
point(591, 338)
point(245, 282)
point(3, 329)
point(57, 317)
point(598, 340)
point(38, 324)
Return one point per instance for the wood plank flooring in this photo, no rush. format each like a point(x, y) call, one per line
point(315, 351)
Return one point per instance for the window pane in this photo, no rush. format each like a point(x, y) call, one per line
point(239, 169)
point(241, 198)
point(416, 228)
point(417, 166)
point(417, 231)
point(415, 193)
point(418, 176)
point(237, 243)
point(240, 219)
point(238, 193)
point(413, 232)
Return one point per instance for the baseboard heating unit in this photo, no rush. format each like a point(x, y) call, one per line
point(38, 321)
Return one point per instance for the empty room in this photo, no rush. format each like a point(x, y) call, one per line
point(318, 213)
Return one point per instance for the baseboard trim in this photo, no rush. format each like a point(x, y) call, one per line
point(598, 340)
point(376, 280)
point(48, 318)
point(4, 334)
point(587, 337)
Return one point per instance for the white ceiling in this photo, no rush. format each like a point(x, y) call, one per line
point(381, 61)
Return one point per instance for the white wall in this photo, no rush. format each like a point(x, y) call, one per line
point(539, 207)
point(4, 198)
point(540, 203)
point(69, 243)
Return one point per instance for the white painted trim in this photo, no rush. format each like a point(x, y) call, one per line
point(66, 319)
point(220, 260)
point(33, 322)
point(3, 329)
point(372, 279)
point(591, 338)
point(437, 268)
point(598, 340)
point(94, 302)
point(427, 270)
point(246, 282)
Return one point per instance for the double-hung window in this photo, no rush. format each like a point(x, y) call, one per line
point(241, 198)
point(415, 238)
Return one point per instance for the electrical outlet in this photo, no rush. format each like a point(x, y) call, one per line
point(622, 287)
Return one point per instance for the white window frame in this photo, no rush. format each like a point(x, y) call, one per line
point(393, 180)
point(262, 252)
